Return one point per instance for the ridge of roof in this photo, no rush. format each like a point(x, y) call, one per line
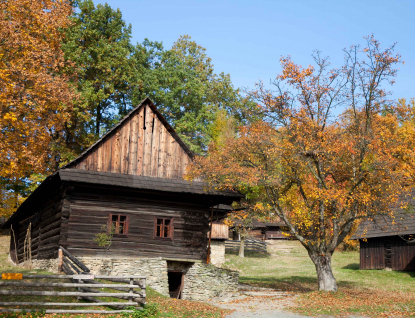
point(125, 118)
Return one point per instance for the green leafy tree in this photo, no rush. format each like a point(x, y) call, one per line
point(182, 83)
point(99, 44)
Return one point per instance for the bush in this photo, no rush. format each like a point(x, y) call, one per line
point(149, 310)
point(348, 246)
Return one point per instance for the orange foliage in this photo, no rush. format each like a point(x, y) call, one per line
point(34, 95)
point(318, 171)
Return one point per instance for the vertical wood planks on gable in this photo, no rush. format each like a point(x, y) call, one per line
point(108, 152)
point(99, 158)
point(184, 163)
point(140, 142)
point(148, 134)
point(172, 158)
point(93, 160)
point(132, 164)
point(162, 157)
point(141, 145)
point(116, 151)
point(86, 162)
point(125, 147)
point(155, 146)
point(178, 160)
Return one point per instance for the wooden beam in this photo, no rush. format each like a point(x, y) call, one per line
point(64, 311)
point(75, 260)
point(26, 303)
point(123, 287)
point(53, 293)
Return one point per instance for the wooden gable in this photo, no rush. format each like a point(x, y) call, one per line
point(143, 143)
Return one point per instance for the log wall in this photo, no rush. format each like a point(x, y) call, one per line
point(90, 209)
point(382, 252)
point(45, 232)
point(141, 145)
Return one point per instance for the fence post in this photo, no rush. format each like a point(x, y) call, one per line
point(131, 290)
point(60, 260)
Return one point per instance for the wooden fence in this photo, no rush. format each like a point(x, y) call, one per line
point(250, 245)
point(129, 291)
point(69, 264)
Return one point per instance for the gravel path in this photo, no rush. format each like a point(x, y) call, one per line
point(259, 303)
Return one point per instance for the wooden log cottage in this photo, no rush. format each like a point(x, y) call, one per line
point(132, 179)
point(389, 243)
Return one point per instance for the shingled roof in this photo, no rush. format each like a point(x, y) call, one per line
point(141, 182)
point(152, 184)
point(402, 223)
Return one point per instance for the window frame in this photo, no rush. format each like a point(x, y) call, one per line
point(127, 221)
point(171, 219)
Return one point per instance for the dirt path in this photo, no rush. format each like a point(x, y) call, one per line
point(259, 303)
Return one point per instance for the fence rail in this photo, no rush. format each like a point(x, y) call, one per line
point(250, 245)
point(84, 286)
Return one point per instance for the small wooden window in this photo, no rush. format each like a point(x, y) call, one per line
point(120, 223)
point(163, 228)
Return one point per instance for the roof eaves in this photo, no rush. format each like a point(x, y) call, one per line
point(28, 201)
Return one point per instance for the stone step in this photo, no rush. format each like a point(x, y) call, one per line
point(258, 293)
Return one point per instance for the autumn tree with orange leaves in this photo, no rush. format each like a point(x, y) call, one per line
point(332, 150)
point(35, 97)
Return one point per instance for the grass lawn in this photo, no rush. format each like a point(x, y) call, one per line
point(375, 293)
point(164, 306)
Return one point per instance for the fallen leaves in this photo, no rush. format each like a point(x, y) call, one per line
point(367, 302)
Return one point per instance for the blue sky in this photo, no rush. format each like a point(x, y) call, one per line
point(247, 38)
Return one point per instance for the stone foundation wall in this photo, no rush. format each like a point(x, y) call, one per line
point(50, 265)
point(201, 281)
point(154, 269)
point(217, 252)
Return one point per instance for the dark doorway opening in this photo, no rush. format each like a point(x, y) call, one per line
point(176, 279)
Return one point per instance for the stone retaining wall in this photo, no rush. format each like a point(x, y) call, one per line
point(50, 265)
point(201, 281)
point(154, 269)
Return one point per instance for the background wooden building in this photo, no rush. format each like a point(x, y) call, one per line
point(387, 242)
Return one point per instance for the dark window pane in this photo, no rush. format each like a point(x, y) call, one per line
point(119, 224)
point(166, 222)
point(159, 221)
point(158, 231)
point(166, 231)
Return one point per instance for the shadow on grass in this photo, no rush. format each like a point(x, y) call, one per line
point(410, 273)
point(296, 284)
point(354, 266)
point(250, 254)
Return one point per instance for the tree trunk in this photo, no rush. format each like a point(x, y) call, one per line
point(325, 277)
point(98, 121)
point(242, 247)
